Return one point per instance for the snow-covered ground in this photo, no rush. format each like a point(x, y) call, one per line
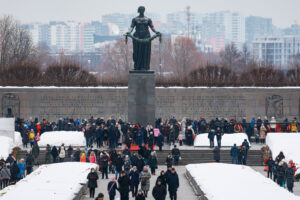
point(226, 181)
point(202, 140)
point(288, 143)
point(55, 181)
point(56, 138)
point(7, 144)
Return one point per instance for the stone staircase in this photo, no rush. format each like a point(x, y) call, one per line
point(188, 156)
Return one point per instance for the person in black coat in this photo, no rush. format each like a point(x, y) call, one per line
point(211, 137)
point(134, 159)
point(140, 164)
point(111, 188)
point(77, 155)
point(54, 153)
point(169, 160)
point(29, 162)
point(140, 195)
point(173, 184)
point(159, 191)
point(270, 163)
point(119, 165)
point(92, 182)
point(280, 174)
point(163, 179)
point(134, 181)
point(104, 164)
point(219, 136)
point(289, 175)
point(124, 183)
point(14, 171)
point(160, 141)
point(217, 156)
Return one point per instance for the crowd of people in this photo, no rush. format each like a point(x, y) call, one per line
point(113, 132)
point(132, 170)
point(280, 171)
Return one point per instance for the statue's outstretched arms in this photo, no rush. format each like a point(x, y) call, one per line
point(131, 27)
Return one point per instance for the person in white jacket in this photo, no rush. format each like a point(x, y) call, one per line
point(62, 153)
point(273, 124)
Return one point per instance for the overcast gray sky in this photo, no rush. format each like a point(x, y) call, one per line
point(283, 12)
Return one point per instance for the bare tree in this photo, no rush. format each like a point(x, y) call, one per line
point(116, 60)
point(68, 73)
point(231, 56)
point(186, 56)
point(15, 42)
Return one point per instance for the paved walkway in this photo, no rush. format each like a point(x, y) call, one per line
point(296, 184)
point(184, 192)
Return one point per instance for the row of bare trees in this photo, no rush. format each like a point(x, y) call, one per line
point(177, 63)
point(58, 74)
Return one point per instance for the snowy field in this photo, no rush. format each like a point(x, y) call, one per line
point(56, 138)
point(235, 182)
point(7, 144)
point(288, 143)
point(50, 182)
point(202, 140)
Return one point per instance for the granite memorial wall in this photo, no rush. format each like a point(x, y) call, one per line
point(53, 103)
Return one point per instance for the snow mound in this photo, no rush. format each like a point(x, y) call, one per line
point(235, 182)
point(228, 140)
point(7, 144)
point(288, 143)
point(55, 181)
point(56, 138)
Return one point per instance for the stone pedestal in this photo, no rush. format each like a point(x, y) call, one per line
point(141, 97)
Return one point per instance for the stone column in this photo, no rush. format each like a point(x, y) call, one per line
point(141, 97)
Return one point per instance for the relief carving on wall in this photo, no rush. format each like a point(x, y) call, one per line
point(10, 105)
point(274, 106)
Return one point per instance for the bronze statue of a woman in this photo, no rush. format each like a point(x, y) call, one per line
point(142, 40)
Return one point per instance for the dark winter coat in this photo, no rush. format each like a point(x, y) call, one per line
point(211, 134)
point(124, 183)
point(175, 152)
point(219, 134)
point(77, 156)
point(104, 162)
point(111, 188)
point(14, 171)
point(140, 164)
point(169, 161)
point(163, 180)
point(119, 164)
point(216, 152)
point(29, 161)
point(133, 160)
point(289, 174)
point(92, 177)
point(36, 150)
point(270, 163)
point(160, 140)
point(234, 151)
point(159, 192)
point(134, 178)
point(54, 152)
point(140, 197)
point(173, 182)
point(153, 162)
